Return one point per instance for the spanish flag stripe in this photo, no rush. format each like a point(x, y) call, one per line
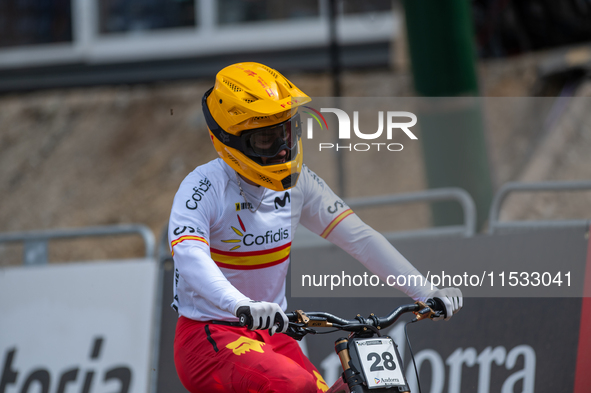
point(251, 267)
point(183, 238)
point(251, 253)
point(336, 222)
point(240, 259)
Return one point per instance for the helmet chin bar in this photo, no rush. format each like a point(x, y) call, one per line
point(290, 180)
point(269, 176)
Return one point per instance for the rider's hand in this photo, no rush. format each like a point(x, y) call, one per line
point(451, 298)
point(264, 315)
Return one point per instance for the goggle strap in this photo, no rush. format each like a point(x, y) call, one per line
point(217, 131)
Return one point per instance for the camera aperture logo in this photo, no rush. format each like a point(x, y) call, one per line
point(396, 121)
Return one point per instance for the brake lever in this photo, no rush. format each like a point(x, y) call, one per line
point(297, 332)
point(425, 312)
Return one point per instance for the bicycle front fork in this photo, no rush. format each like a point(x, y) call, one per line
point(352, 378)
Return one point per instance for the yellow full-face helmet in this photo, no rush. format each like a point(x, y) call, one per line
point(251, 113)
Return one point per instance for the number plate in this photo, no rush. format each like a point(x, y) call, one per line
point(379, 362)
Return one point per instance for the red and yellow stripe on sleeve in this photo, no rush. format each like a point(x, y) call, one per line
point(336, 222)
point(188, 237)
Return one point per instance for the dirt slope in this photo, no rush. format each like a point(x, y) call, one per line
point(111, 155)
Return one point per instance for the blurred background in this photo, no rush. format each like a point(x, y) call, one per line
point(100, 116)
point(100, 121)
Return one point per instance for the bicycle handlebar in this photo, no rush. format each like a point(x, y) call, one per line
point(430, 308)
point(378, 322)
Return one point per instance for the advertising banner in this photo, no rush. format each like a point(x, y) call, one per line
point(511, 336)
point(495, 344)
point(84, 327)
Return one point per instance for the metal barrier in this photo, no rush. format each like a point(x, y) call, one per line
point(305, 238)
point(434, 195)
point(35, 242)
point(495, 225)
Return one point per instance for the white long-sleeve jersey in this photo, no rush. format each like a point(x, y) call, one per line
point(224, 253)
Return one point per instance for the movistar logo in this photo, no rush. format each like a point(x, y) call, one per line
point(281, 202)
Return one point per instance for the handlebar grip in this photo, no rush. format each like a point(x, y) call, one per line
point(292, 316)
point(244, 316)
point(437, 306)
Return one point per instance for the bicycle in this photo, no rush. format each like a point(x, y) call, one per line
point(370, 361)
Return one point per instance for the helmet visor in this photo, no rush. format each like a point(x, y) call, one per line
point(269, 141)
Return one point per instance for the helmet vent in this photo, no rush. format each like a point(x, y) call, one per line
point(234, 160)
point(290, 180)
point(249, 98)
point(280, 171)
point(271, 71)
point(282, 90)
point(235, 111)
point(232, 86)
point(265, 178)
point(260, 117)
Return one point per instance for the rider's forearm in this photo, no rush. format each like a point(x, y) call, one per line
point(205, 278)
point(377, 254)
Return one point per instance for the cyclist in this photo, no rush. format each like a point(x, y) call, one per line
point(230, 232)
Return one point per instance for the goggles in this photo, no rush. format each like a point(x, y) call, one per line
point(259, 142)
point(269, 141)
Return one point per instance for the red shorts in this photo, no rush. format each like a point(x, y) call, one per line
point(220, 358)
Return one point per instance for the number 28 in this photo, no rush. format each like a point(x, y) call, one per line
point(388, 361)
